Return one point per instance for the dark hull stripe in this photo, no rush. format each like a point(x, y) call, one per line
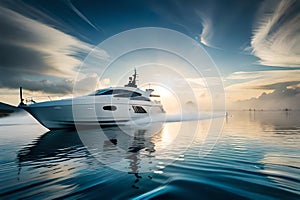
point(92, 122)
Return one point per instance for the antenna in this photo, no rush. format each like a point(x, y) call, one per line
point(132, 80)
point(21, 97)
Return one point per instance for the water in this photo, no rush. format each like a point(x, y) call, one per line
point(256, 156)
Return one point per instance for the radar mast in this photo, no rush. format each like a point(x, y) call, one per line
point(132, 80)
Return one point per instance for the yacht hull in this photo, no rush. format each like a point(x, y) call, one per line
point(105, 107)
point(59, 116)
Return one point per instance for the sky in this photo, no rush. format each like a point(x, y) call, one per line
point(254, 44)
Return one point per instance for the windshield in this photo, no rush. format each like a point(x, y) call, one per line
point(119, 92)
point(99, 92)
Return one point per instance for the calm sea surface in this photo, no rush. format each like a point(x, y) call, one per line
point(255, 156)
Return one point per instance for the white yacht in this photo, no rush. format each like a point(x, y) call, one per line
point(109, 106)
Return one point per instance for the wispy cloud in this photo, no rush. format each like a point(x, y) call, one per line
point(38, 56)
point(81, 15)
point(254, 80)
point(276, 36)
point(240, 75)
point(207, 30)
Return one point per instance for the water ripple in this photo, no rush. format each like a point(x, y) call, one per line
point(255, 157)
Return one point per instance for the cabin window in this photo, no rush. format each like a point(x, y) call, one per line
point(125, 94)
point(110, 108)
point(140, 98)
point(101, 92)
point(108, 92)
point(135, 94)
point(139, 109)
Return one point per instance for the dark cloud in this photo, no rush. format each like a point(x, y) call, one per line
point(13, 31)
point(29, 58)
point(56, 86)
point(278, 86)
point(16, 40)
point(285, 95)
point(20, 60)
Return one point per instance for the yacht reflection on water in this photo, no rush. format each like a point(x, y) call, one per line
point(122, 147)
point(51, 146)
point(125, 148)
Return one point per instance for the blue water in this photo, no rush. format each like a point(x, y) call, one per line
point(255, 156)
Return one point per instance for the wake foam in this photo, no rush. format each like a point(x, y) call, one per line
point(180, 117)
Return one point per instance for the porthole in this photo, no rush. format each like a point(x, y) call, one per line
point(110, 108)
